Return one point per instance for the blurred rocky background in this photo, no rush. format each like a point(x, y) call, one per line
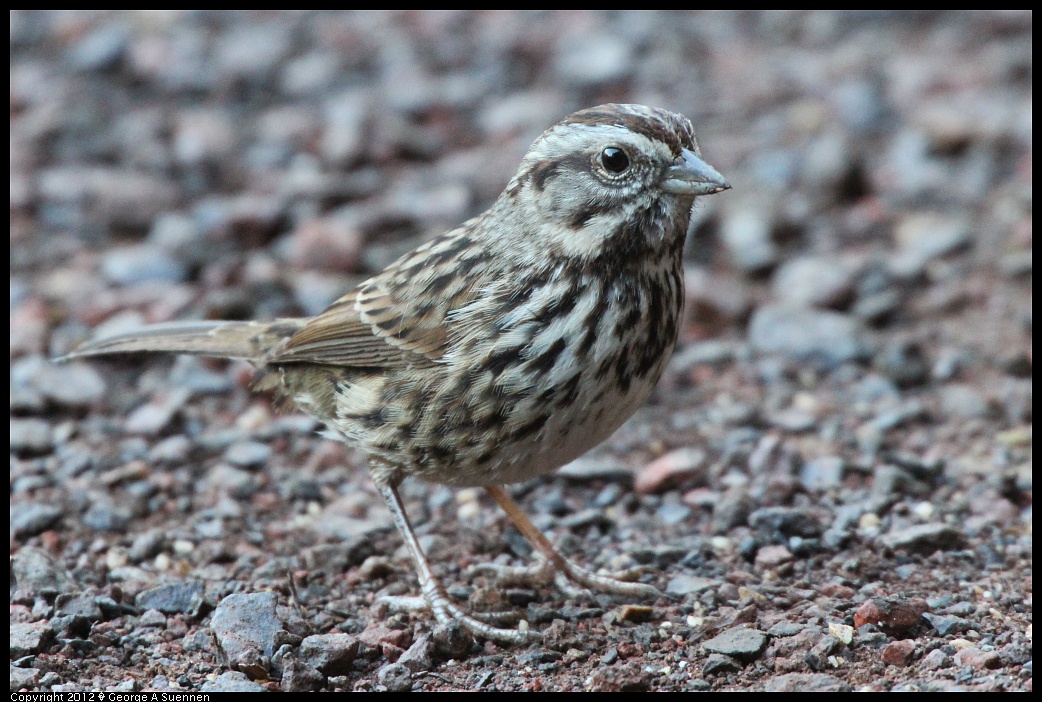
point(833, 479)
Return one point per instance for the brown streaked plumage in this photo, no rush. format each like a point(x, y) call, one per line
point(504, 348)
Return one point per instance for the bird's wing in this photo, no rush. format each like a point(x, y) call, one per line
point(398, 317)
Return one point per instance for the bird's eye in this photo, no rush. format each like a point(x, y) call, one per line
point(614, 159)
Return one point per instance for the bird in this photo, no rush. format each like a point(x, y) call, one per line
point(505, 348)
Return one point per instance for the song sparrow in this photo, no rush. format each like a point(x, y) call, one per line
point(507, 347)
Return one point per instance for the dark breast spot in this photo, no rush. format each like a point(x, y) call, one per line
point(546, 360)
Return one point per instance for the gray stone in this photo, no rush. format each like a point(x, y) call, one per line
point(298, 676)
point(785, 629)
point(420, 656)
point(31, 518)
point(936, 660)
point(246, 624)
point(785, 521)
point(152, 618)
point(37, 574)
point(589, 468)
point(147, 545)
point(101, 49)
point(963, 401)
point(743, 644)
point(586, 59)
point(799, 334)
point(924, 538)
point(22, 678)
point(923, 237)
point(81, 605)
point(331, 654)
point(248, 454)
point(231, 682)
point(174, 598)
point(822, 473)
point(142, 264)
point(395, 677)
point(689, 584)
point(30, 638)
point(717, 663)
point(31, 436)
point(73, 384)
point(812, 282)
point(746, 233)
point(807, 682)
point(946, 625)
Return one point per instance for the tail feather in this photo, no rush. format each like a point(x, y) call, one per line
point(251, 341)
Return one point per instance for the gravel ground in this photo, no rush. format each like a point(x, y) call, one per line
point(831, 485)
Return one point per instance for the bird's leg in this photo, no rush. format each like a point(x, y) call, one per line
point(558, 568)
point(433, 591)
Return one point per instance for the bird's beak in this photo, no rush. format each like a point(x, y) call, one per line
point(690, 175)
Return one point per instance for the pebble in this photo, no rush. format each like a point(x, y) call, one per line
point(904, 363)
point(822, 473)
point(31, 436)
point(330, 654)
point(248, 454)
point(132, 265)
point(104, 514)
point(395, 677)
point(785, 522)
point(22, 678)
point(298, 676)
point(245, 625)
point(329, 243)
point(119, 196)
point(101, 49)
point(807, 682)
point(946, 625)
point(717, 663)
point(713, 298)
point(746, 233)
point(899, 653)
point(772, 556)
point(156, 416)
point(924, 538)
point(30, 638)
point(937, 660)
point(684, 584)
point(925, 236)
point(231, 681)
point(683, 465)
point(152, 618)
point(76, 384)
point(896, 615)
point(973, 657)
point(590, 59)
point(799, 335)
point(812, 282)
point(32, 518)
point(80, 605)
point(960, 401)
point(173, 598)
point(785, 629)
point(741, 643)
point(420, 656)
point(594, 467)
point(37, 574)
point(172, 449)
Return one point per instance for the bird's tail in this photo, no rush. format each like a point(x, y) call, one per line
point(252, 341)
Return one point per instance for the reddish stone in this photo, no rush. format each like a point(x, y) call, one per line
point(893, 615)
point(899, 652)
